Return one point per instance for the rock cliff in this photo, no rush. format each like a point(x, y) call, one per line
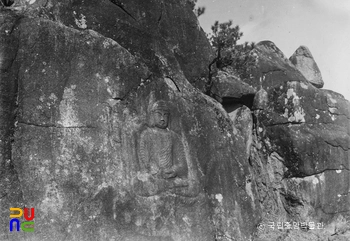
point(106, 132)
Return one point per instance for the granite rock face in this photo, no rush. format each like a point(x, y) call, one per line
point(159, 32)
point(230, 89)
point(273, 67)
point(105, 131)
point(304, 148)
point(305, 63)
point(80, 139)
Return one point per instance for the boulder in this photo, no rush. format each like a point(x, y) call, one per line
point(305, 63)
point(273, 68)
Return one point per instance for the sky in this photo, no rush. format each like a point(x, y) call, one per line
point(321, 25)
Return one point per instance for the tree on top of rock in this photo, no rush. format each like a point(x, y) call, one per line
point(197, 10)
point(224, 38)
point(229, 54)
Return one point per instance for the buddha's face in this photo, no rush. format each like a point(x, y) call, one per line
point(161, 119)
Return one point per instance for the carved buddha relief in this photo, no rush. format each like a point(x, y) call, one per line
point(161, 153)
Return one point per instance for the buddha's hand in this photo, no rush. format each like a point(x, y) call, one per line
point(179, 182)
point(168, 173)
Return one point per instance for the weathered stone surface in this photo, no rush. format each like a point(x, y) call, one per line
point(305, 63)
point(302, 119)
point(82, 111)
point(10, 191)
point(308, 129)
point(260, 100)
point(231, 90)
point(273, 67)
point(243, 127)
point(165, 34)
point(104, 134)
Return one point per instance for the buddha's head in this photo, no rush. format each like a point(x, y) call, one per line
point(160, 115)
